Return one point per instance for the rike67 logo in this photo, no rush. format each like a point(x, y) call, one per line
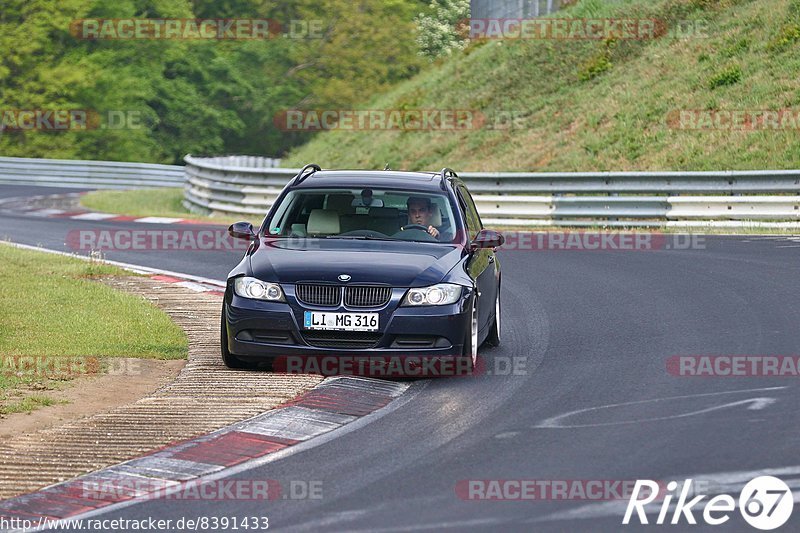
point(765, 503)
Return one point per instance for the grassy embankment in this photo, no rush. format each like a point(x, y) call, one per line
point(599, 106)
point(56, 321)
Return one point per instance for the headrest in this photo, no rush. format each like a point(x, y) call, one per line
point(436, 216)
point(341, 203)
point(384, 212)
point(323, 221)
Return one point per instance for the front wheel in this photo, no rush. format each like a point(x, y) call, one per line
point(469, 353)
point(230, 360)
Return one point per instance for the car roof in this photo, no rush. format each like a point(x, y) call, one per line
point(372, 178)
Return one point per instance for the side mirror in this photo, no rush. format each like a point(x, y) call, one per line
point(487, 238)
point(242, 230)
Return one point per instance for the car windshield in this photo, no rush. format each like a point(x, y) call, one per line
point(369, 213)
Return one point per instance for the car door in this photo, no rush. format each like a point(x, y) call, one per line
point(481, 266)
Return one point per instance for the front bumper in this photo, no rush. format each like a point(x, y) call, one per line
point(259, 330)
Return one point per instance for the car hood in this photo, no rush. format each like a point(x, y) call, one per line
point(399, 264)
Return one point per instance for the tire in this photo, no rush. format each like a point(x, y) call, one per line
point(230, 360)
point(493, 338)
point(469, 353)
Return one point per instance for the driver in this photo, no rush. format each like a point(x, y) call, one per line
point(420, 211)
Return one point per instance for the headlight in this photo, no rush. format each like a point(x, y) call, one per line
point(258, 290)
point(441, 294)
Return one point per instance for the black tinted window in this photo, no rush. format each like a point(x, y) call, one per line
point(473, 219)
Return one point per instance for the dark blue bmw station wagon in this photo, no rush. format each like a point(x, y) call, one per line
point(382, 265)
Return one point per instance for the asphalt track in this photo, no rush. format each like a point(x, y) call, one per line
point(593, 329)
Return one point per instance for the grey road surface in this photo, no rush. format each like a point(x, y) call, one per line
point(591, 333)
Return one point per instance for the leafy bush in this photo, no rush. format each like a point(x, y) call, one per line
point(727, 76)
point(598, 64)
point(787, 36)
point(443, 29)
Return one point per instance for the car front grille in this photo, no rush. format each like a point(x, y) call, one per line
point(367, 296)
point(325, 295)
point(342, 339)
point(354, 295)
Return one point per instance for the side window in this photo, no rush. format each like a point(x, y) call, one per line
point(473, 219)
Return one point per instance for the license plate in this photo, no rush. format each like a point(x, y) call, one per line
point(341, 321)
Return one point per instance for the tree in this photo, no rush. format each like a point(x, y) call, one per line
point(198, 96)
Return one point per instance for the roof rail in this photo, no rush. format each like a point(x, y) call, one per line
point(444, 174)
point(302, 175)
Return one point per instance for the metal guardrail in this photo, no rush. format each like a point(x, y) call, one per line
point(512, 9)
point(88, 174)
point(230, 186)
point(247, 186)
point(733, 198)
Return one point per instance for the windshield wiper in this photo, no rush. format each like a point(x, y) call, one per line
point(373, 238)
point(364, 238)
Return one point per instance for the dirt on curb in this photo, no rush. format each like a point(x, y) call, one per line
point(203, 397)
point(92, 394)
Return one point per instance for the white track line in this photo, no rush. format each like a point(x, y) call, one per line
point(93, 216)
point(45, 212)
point(138, 269)
point(158, 220)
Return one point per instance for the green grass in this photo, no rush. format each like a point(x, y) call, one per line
point(9, 381)
point(27, 404)
point(143, 203)
point(53, 308)
point(598, 106)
